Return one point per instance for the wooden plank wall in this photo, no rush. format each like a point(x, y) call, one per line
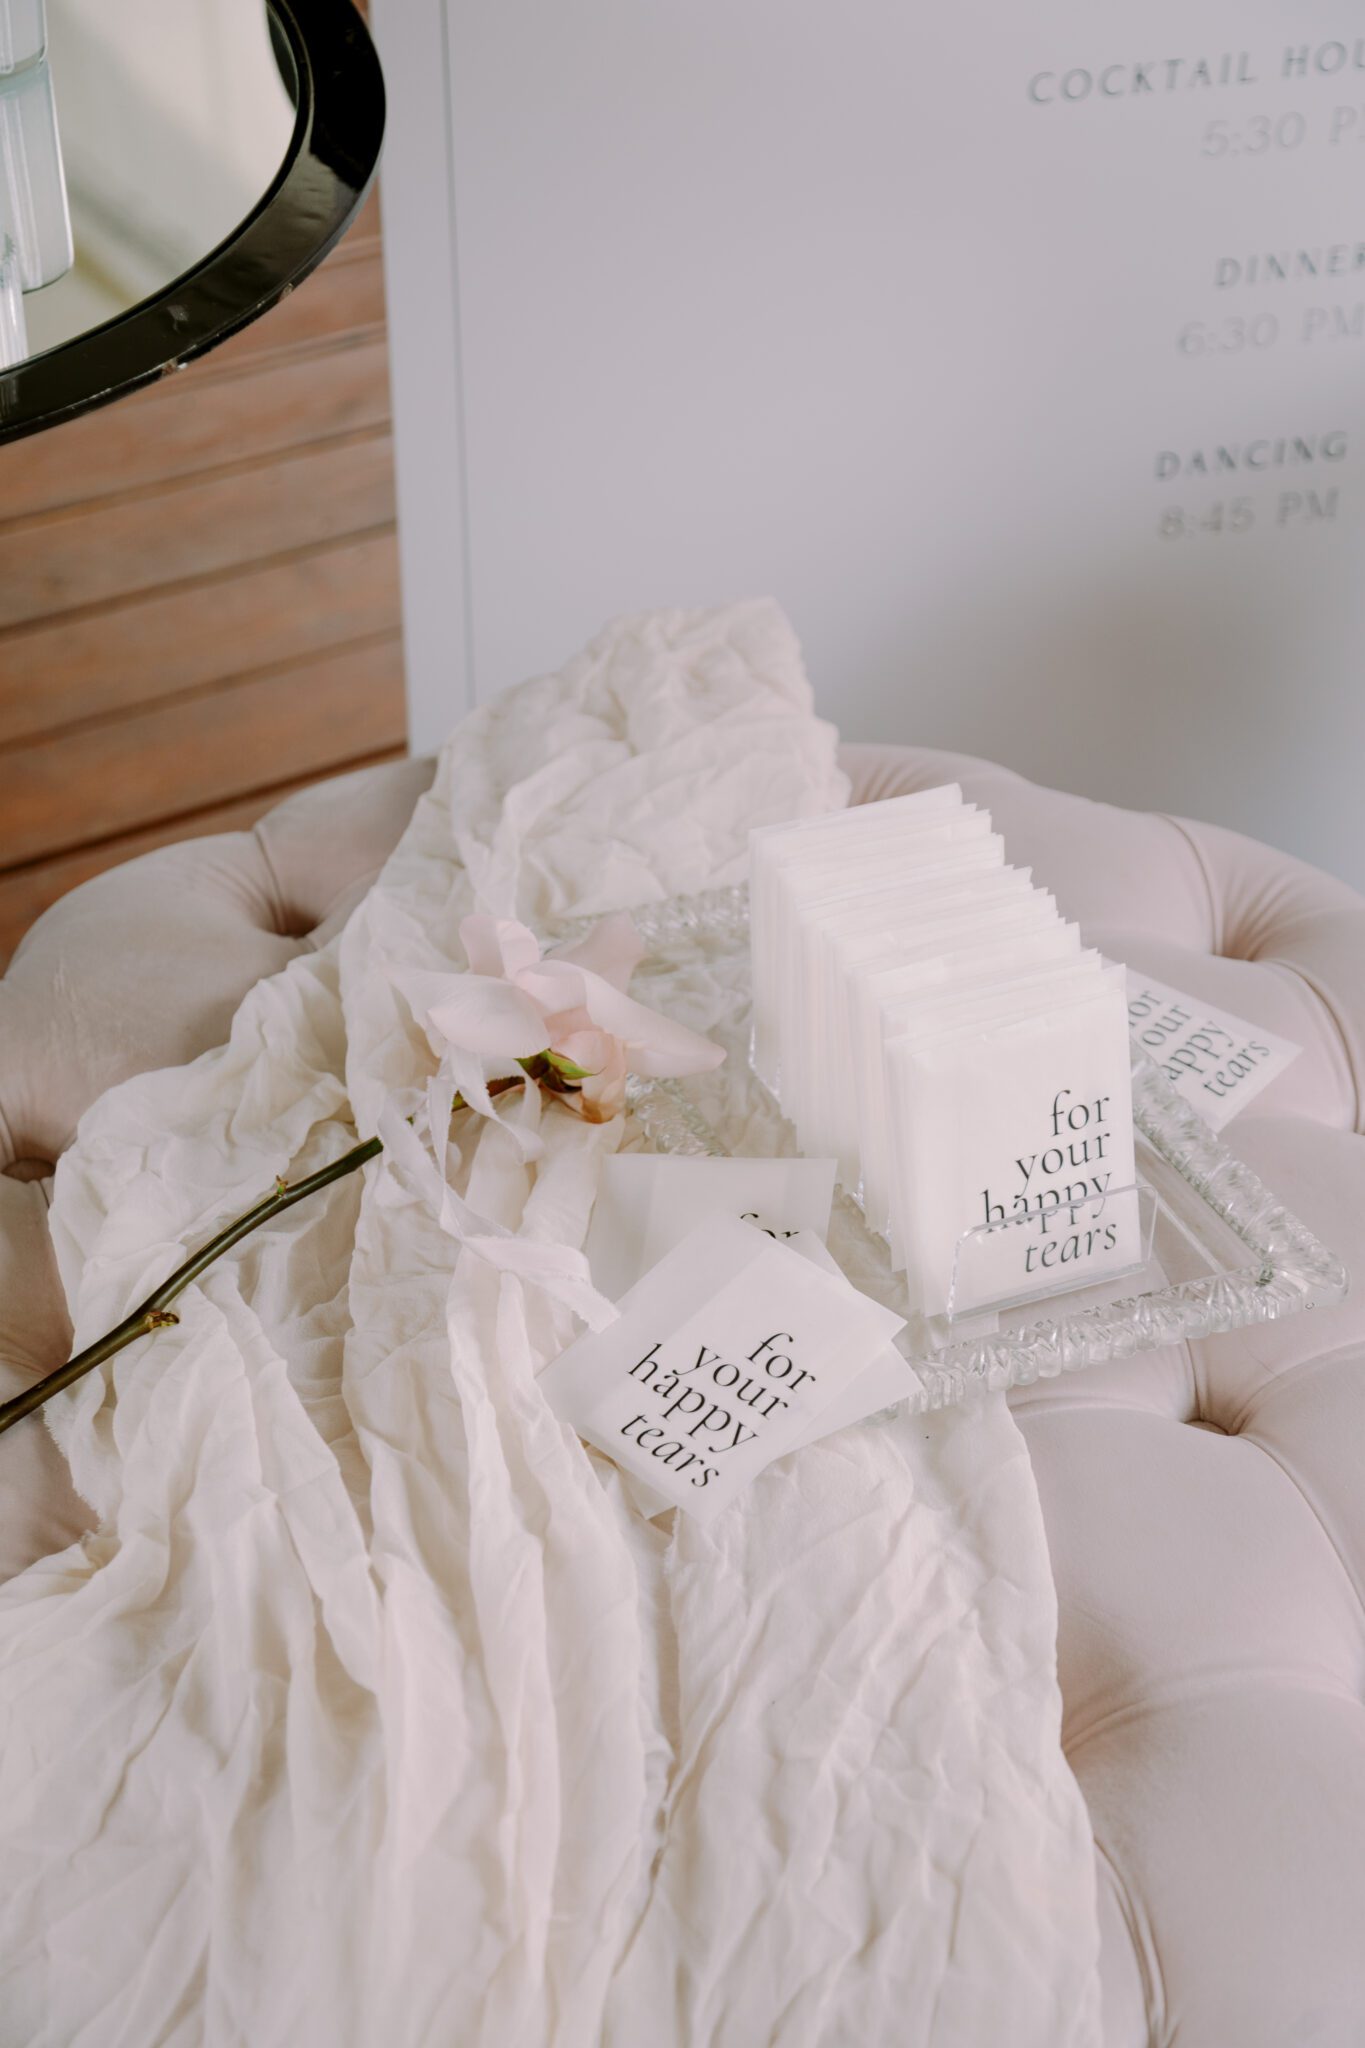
point(199, 606)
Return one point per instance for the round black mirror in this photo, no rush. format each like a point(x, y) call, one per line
point(169, 170)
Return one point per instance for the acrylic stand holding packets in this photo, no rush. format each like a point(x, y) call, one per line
point(1025, 1261)
point(1213, 1249)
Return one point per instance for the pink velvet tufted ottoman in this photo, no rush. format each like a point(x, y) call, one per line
point(1204, 1505)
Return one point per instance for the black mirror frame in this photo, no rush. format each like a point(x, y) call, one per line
point(316, 193)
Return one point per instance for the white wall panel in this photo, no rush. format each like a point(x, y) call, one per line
point(770, 296)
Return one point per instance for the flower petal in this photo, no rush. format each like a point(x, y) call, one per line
point(498, 946)
point(681, 1052)
point(559, 1023)
point(604, 1094)
point(488, 1016)
point(654, 1044)
point(613, 949)
point(555, 985)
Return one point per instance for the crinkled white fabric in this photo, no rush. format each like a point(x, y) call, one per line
point(373, 1714)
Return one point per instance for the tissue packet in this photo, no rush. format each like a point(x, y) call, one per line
point(1219, 1062)
point(722, 1357)
point(1003, 952)
point(882, 1385)
point(647, 1202)
point(771, 846)
point(1022, 1117)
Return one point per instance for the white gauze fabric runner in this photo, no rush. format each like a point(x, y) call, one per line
point(373, 1714)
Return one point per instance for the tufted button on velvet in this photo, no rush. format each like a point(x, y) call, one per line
point(144, 966)
point(29, 1169)
point(325, 846)
point(1260, 899)
point(1204, 1504)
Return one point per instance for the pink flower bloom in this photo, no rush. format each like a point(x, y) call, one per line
point(572, 1006)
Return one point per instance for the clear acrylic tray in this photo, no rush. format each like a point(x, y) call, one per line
point(1218, 1251)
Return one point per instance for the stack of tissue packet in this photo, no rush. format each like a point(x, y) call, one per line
point(926, 1017)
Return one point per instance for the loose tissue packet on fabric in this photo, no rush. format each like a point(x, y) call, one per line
point(1218, 1062)
point(648, 1202)
point(721, 1359)
point(883, 1384)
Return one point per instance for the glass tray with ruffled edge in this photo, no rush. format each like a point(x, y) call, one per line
point(1219, 1251)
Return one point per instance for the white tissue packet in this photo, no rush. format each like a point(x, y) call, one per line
point(883, 1002)
point(772, 846)
point(1218, 1062)
point(893, 873)
point(919, 1004)
point(647, 1202)
point(722, 1357)
point(1025, 1116)
point(883, 1384)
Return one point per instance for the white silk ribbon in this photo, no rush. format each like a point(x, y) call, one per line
point(558, 1269)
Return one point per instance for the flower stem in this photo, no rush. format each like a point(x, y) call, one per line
point(155, 1312)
